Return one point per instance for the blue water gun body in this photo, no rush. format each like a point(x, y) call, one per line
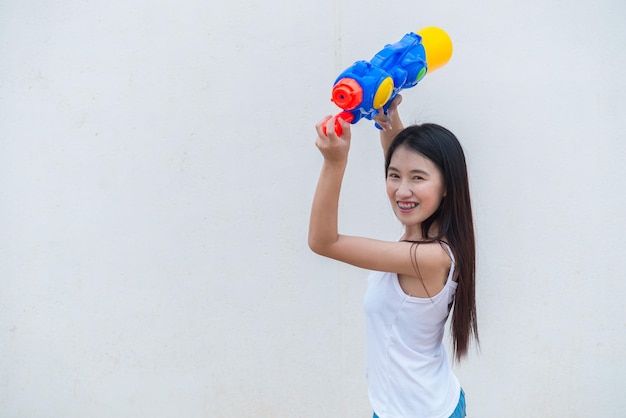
point(367, 86)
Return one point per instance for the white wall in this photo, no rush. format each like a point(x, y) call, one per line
point(156, 171)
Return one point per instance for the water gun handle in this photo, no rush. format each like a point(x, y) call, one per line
point(346, 116)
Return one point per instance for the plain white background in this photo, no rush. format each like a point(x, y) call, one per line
point(157, 165)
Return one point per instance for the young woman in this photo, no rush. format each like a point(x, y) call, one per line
point(415, 281)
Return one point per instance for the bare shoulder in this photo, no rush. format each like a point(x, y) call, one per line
point(431, 264)
point(431, 258)
point(432, 252)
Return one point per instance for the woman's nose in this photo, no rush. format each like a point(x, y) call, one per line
point(403, 190)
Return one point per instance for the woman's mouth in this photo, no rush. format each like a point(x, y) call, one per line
point(406, 206)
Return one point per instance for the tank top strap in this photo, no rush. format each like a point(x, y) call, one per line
point(446, 246)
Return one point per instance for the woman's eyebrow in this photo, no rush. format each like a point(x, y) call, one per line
point(414, 171)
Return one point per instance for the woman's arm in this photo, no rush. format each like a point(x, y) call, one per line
point(323, 229)
point(324, 237)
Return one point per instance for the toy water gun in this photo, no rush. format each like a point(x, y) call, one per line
point(365, 86)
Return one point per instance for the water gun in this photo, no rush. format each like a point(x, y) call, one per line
point(365, 86)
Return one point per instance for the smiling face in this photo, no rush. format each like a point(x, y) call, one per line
point(415, 187)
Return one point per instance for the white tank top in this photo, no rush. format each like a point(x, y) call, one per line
point(408, 370)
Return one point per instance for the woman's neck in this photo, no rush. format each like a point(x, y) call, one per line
point(415, 233)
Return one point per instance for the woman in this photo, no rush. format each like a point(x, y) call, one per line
point(415, 281)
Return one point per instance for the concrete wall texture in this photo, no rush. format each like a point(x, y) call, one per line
point(157, 165)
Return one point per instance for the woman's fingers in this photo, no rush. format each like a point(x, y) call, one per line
point(382, 119)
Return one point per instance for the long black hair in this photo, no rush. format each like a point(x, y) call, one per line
point(453, 217)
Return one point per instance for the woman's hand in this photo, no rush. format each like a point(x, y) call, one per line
point(386, 121)
point(333, 147)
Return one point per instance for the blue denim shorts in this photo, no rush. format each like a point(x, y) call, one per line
point(459, 412)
